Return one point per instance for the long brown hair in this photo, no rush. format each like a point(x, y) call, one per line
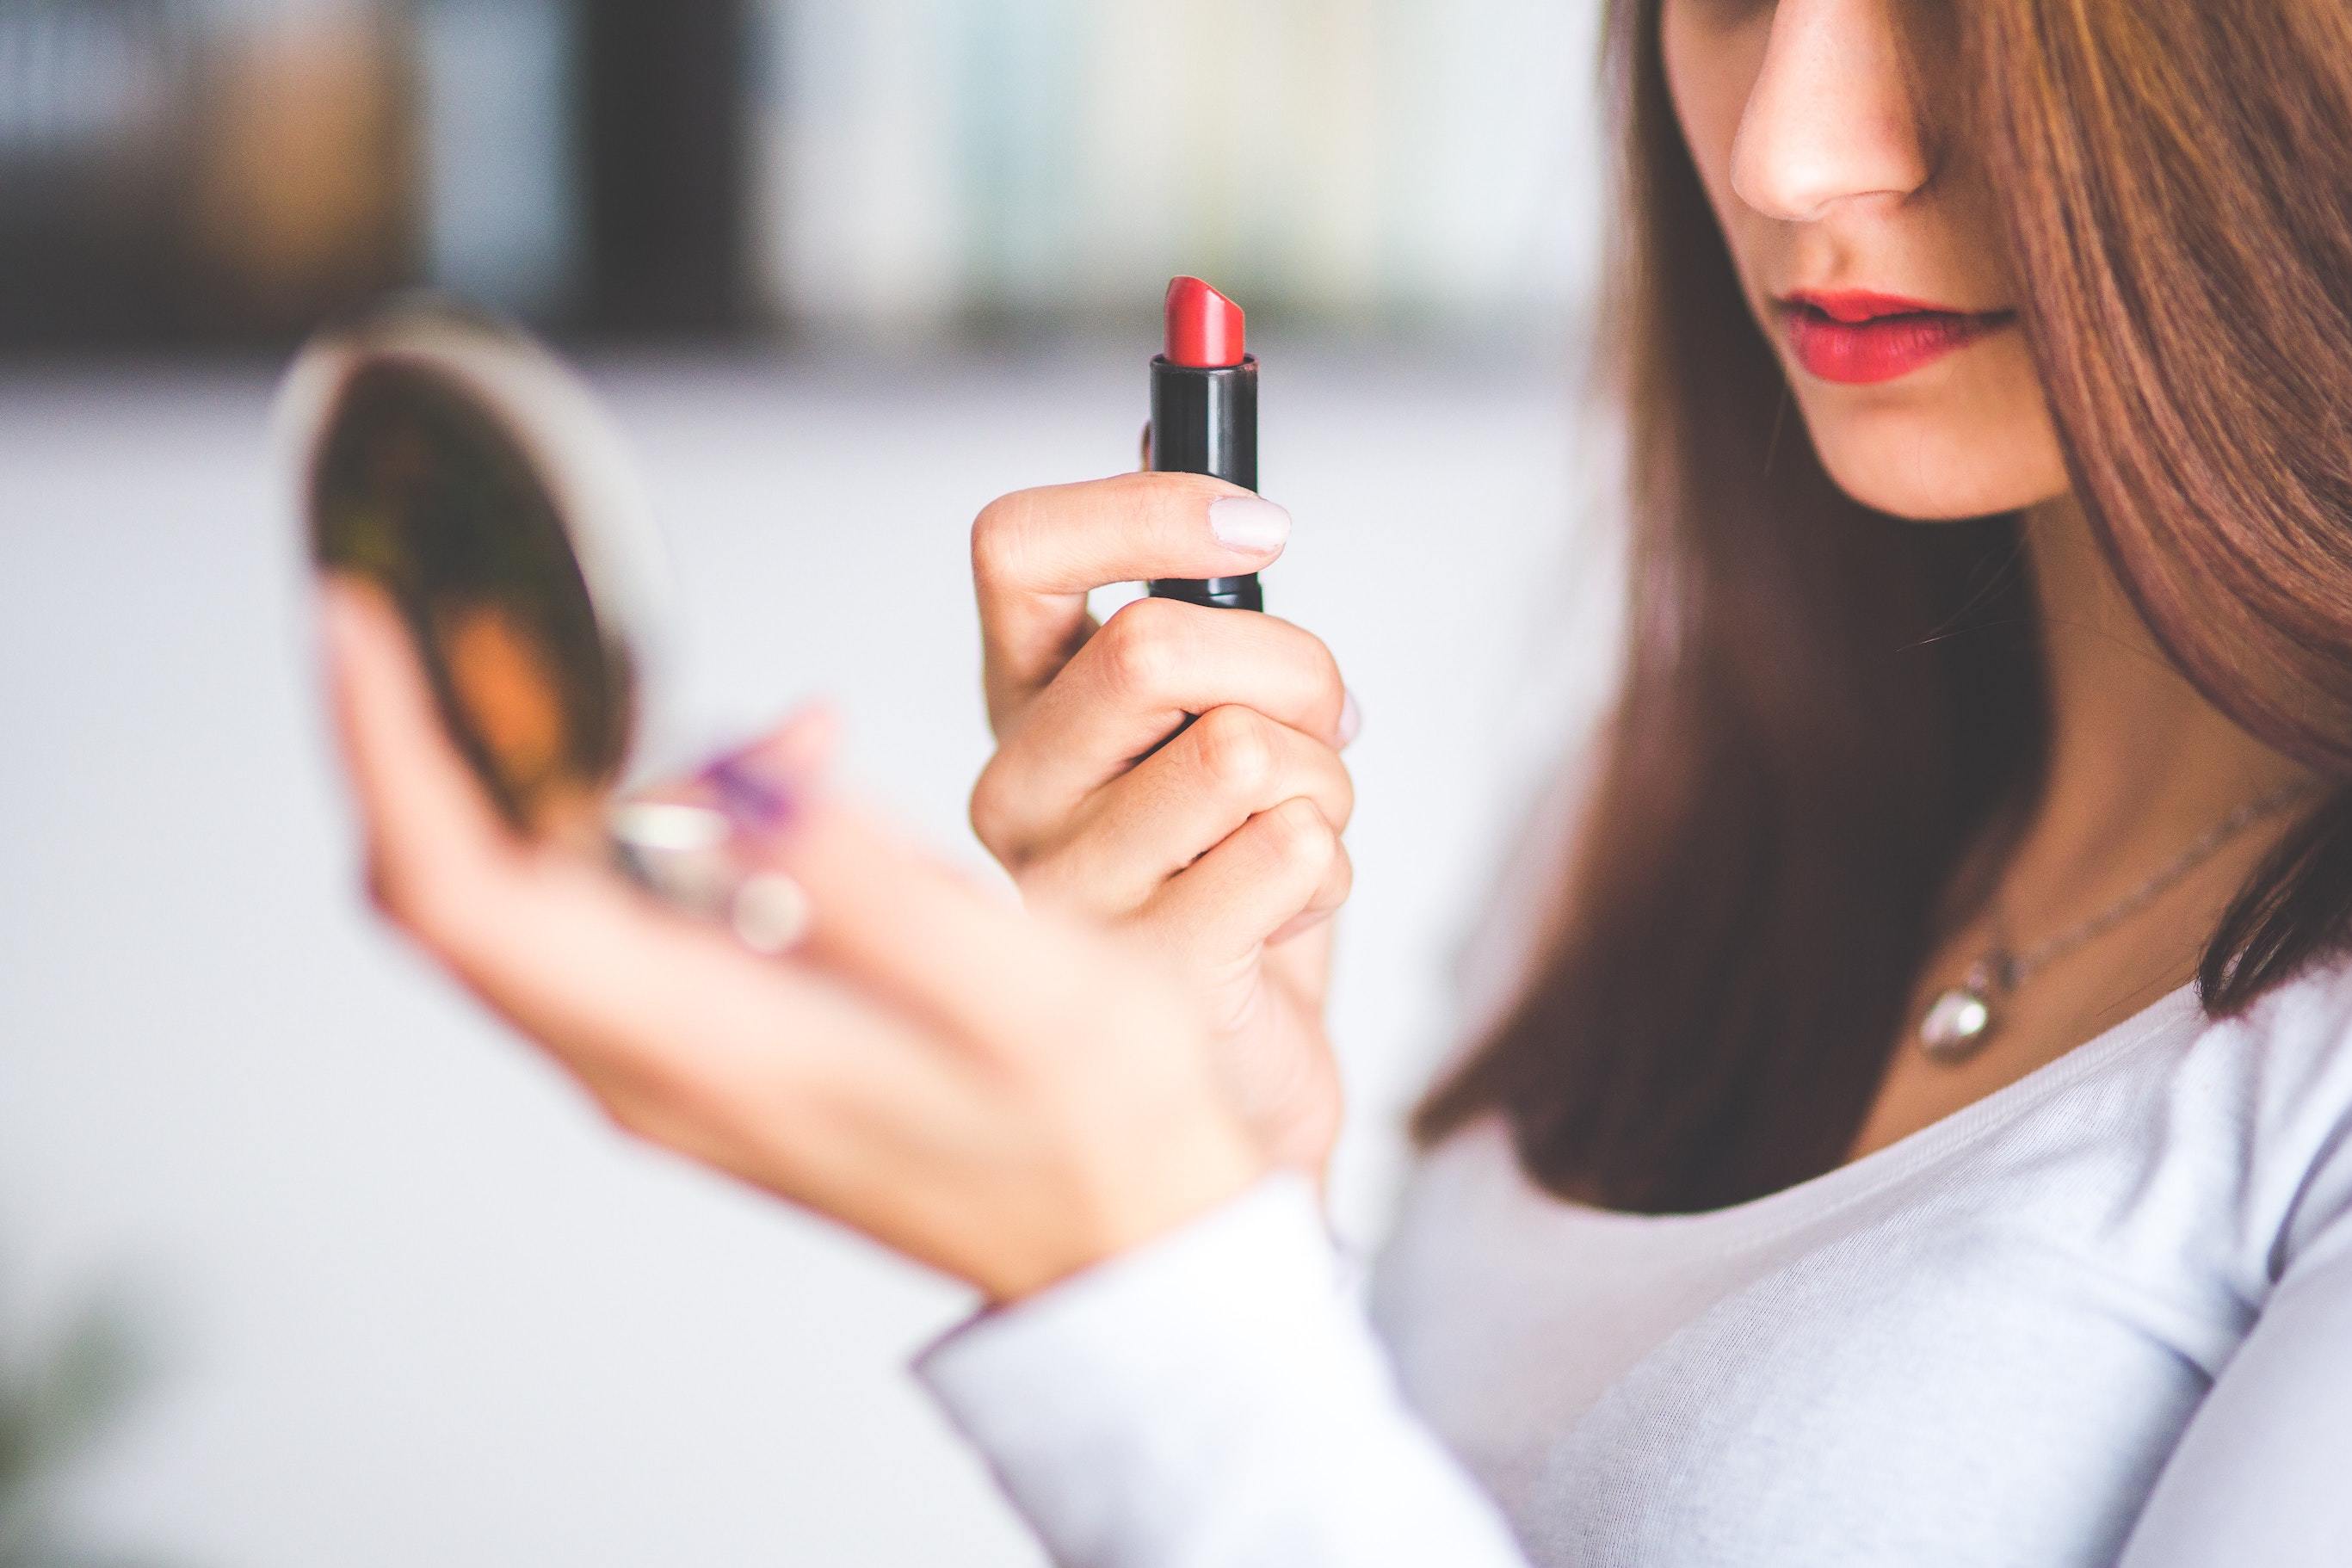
point(1825, 708)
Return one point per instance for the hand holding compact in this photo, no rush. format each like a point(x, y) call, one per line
point(996, 1094)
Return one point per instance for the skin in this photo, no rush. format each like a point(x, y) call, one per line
point(1012, 1095)
point(1826, 173)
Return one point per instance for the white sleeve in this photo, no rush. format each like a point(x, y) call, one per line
point(1212, 1400)
point(2263, 1472)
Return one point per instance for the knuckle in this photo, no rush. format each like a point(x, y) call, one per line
point(1235, 748)
point(1299, 835)
point(627, 1113)
point(648, 1097)
point(997, 537)
point(988, 809)
point(1339, 878)
point(1141, 648)
point(387, 893)
point(1331, 684)
point(407, 895)
point(1318, 666)
point(1342, 806)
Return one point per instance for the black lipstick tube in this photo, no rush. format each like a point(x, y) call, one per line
point(1204, 421)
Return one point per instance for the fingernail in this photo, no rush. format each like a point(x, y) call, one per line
point(1351, 717)
point(1248, 522)
point(753, 798)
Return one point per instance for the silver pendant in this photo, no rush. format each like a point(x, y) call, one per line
point(1957, 1023)
point(1961, 1018)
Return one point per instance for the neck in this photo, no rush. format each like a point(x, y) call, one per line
point(2139, 762)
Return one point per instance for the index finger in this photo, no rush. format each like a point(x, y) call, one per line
point(1036, 553)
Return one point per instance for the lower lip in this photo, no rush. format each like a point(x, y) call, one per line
point(1858, 353)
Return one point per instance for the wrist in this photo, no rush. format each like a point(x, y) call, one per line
point(1139, 1205)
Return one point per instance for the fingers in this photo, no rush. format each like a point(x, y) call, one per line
point(922, 1061)
point(676, 1031)
point(1152, 664)
point(1186, 798)
point(1278, 873)
point(527, 929)
point(1036, 553)
point(434, 845)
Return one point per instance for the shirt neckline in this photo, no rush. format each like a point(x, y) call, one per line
point(1883, 1166)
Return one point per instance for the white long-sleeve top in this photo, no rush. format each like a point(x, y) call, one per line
point(2103, 1314)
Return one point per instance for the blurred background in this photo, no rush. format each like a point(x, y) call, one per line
point(303, 1262)
point(875, 172)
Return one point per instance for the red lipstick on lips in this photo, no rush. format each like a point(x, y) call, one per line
point(1859, 338)
point(1204, 418)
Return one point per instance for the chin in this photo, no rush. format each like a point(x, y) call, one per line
point(1940, 476)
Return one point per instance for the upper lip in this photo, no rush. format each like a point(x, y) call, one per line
point(1854, 305)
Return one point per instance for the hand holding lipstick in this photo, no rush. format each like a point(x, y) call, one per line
point(1221, 846)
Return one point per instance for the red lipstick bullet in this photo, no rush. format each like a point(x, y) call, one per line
point(1205, 417)
point(1205, 329)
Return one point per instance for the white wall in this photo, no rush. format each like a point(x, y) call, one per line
point(418, 1305)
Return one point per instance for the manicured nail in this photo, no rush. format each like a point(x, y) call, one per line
point(753, 798)
point(1251, 523)
point(1351, 717)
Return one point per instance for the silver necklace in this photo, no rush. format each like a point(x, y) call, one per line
point(1962, 1018)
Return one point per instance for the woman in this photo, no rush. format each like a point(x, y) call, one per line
point(1924, 1131)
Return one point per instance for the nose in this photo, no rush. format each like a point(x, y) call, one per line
point(1831, 117)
